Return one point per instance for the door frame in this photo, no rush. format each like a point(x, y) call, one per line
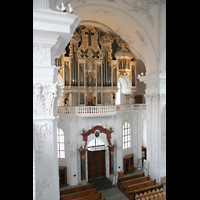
point(104, 161)
point(106, 136)
point(107, 163)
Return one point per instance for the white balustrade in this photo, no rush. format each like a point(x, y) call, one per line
point(99, 109)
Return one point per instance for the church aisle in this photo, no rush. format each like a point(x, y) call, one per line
point(113, 194)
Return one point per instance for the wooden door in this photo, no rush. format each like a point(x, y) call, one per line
point(96, 164)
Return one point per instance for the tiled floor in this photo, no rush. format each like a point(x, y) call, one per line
point(114, 193)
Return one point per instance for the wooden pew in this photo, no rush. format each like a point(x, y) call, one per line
point(126, 178)
point(79, 194)
point(76, 189)
point(132, 188)
point(159, 194)
point(163, 179)
point(144, 189)
point(96, 196)
point(125, 184)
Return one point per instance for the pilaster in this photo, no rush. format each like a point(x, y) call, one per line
point(52, 31)
point(156, 124)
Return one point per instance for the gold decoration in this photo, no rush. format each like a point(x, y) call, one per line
point(82, 66)
point(124, 73)
point(84, 31)
point(90, 53)
point(83, 157)
point(114, 67)
point(90, 95)
point(67, 64)
point(106, 40)
point(98, 68)
point(108, 95)
point(112, 153)
point(92, 74)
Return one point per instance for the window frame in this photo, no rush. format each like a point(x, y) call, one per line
point(126, 135)
point(60, 134)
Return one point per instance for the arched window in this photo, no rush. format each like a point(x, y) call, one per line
point(126, 135)
point(60, 143)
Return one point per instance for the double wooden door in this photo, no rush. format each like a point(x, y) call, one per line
point(96, 164)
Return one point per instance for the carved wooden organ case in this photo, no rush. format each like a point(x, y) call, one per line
point(91, 65)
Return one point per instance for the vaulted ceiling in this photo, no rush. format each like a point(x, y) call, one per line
point(141, 23)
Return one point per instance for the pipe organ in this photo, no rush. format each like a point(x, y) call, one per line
point(91, 65)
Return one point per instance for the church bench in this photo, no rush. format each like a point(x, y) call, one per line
point(79, 194)
point(138, 186)
point(96, 196)
point(126, 178)
point(76, 189)
point(146, 189)
point(125, 184)
point(158, 196)
point(163, 179)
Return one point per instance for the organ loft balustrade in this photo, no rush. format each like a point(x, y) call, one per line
point(99, 109)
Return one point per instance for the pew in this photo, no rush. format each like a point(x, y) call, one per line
point(159, 194)
point(76, 189)
point(96, 196)
point(134, 187)
point(79, 194)
point(125, 184)
point(163, 179)
point(146, 189)
point(126, 178)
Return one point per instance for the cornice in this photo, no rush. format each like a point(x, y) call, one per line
point(152, 77)
point(53, 29)
point(48, 16)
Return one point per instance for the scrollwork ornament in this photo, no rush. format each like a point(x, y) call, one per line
point(45, 99)
point(40, 132)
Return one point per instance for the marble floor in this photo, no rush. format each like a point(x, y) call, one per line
point(114, 193)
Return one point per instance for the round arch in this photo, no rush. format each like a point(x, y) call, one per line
point(119, 21)
point(125, 84)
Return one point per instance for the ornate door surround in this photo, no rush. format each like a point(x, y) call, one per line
point(109, 151)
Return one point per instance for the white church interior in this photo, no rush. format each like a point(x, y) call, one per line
point(99, 99)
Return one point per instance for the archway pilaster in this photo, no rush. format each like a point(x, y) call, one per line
point(156, 124)
point(52, 31)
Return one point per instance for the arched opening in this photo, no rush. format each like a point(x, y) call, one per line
point(141, 86)
point(124, 89)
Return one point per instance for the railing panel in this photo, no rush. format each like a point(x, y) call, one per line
point(99, 109)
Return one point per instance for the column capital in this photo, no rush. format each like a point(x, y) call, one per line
point(45, 97)
point(155, 83)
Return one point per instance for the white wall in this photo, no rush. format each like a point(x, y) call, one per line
point(72, 126)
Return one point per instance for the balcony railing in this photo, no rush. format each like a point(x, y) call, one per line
point(99, 109)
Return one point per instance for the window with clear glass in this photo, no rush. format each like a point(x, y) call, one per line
point(61, 143)
point(126, 135)
point(96, 142)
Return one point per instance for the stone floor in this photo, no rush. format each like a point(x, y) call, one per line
point(114, 193)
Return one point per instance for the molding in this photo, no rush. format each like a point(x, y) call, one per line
point(53, 29)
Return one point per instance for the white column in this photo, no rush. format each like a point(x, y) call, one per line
point(52, 31)
point(156, 124)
